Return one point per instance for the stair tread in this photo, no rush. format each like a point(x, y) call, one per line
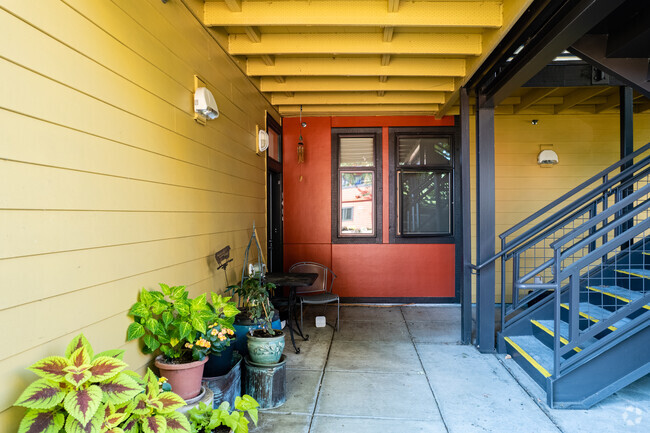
point(564, 332)
point(621, 293)
point(534, 350)
point(596, 314)
point(637, 272)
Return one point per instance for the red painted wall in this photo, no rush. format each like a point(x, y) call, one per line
point(363, 270)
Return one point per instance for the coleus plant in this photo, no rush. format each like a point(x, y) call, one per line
point(154, 411)
point(169, 321)
point(73, 390)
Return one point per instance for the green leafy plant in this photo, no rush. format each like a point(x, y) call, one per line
point(74, 390)
point(221, 330)
point(254, 294)
point(205, 419)
point(169, 321)
point(154, 410)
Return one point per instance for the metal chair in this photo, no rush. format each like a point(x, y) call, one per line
point(320, 292)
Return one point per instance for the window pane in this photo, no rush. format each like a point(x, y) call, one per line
point(414, 151)
point(357, 152)
point(274, 145)
point(357, 203)
point(425, 204)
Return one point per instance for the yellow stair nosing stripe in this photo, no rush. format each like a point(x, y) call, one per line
point(632, 273)
point(552, 334)
point(647, 307)
point(528, 358)
point(587, 316)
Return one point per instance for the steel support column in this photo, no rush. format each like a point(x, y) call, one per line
point(485, 207)
point(627, 144)
point(466, 277)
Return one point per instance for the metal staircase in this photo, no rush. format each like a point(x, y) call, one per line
point(577, 275)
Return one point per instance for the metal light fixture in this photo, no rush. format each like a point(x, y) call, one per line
point(547, 157)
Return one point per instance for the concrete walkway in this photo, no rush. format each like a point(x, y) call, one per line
point(401, 369)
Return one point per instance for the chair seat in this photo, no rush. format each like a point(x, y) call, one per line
point(320, 298)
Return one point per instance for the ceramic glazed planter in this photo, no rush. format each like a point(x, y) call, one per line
point(265, 350)
point(219, 364)
point(185, 379)
point(243, 325)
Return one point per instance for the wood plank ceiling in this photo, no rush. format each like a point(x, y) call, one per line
point(375, 57)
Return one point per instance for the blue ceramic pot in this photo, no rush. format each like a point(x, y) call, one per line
point(266, 350)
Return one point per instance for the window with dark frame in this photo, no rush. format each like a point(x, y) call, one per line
point(424, 173)
point(356, 198)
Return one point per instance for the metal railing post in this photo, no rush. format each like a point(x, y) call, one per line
point(557, 314)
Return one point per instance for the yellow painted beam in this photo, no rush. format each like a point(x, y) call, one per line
point(393, 5)
point(383, 79)
point(232, 5)
point(339, 98)
point(361, 84)
point(254, 34)
point(640, 108)
point(366, 66)
point(531, 97)
point(512, 10)
point(613, 100)
point(354, 13)
point(578, 96)
point(268, 60)
point(356, 43)
point(388, 33)
point(325, 110)
point(385, 59)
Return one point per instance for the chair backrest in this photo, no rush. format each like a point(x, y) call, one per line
point(323, 283)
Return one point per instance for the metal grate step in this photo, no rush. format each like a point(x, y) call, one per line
point(642, 273)
point(534, 351)
point(620, 293)
point(596, 314)
point(548, 326)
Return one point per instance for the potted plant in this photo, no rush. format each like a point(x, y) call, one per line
point(265, 345)
point(205, 419)
point(221, 335)
point(87, 392)
point(171, 323)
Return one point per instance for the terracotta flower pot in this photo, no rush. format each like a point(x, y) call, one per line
point(185, 379)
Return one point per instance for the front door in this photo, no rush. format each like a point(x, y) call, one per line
point(274, 196)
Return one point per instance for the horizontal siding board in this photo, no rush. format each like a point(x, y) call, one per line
point(46, 276)
point(29, 140)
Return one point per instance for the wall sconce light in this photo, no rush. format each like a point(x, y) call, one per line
point(262, 140)
point(547, 157)
point(205, 107)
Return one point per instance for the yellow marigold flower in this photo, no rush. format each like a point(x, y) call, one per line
point(230, 331)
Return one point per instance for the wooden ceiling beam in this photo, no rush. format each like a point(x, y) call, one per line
point(388, 33)
point(403, 109)
point(366, 13)
point(348, 66)
point(532, 97)
point(268, 60)
point(613, 100)
point(393, 5)
point(232, 5)
point(385, 59)
point(254, 34)
point(342, 98)
point(640, 108)
point(356, 43)
point(577, 96)
point(358, 84)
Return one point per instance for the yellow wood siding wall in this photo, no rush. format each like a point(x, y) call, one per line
point(107, 184)
point(585, 144)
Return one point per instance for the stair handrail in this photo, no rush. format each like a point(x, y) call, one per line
point(599, 176)
point(626, 174)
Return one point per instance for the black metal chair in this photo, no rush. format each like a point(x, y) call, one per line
point(319, 293)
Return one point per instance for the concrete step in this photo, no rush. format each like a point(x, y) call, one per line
point(538, 357)
point(619, 293)
point(636, 272)
point(548, 326)
point(596, 314)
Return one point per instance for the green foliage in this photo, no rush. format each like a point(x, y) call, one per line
point(86, 393)
point(73, 390)
point(221, 330)
point(256, 299)
point(170, 322)
point(204, 419)
point(154, 411)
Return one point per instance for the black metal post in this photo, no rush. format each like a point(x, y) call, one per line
point(485, 235)
point(466, 277)
point(627, 143)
